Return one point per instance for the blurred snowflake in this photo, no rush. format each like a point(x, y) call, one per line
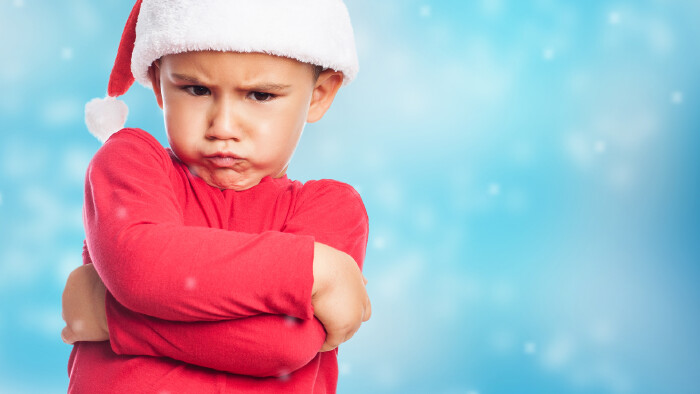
point(66, 53)
point(677, 97)
point(613, 18)
point(529, 347)
point(425, 11)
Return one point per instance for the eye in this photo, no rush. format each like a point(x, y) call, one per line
point(261, 96)
point(196, 90)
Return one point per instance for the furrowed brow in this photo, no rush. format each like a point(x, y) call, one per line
point(267, 87)
point(186, 78)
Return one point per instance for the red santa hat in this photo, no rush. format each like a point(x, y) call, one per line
point(317, 32)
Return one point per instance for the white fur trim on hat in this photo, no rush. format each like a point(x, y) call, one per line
point(318, 32)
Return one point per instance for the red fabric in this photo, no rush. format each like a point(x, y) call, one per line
point(208, 290)
point(121, 77)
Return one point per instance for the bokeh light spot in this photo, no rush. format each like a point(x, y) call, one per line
point(290, 321)
point(66, 53)
point(344, 368)
point(529, 347)
point(613, 18)
point(425, 11)
point(548, 54)
point(600, 146)
point(494, 189)
point(190, 283)
point(677, 97)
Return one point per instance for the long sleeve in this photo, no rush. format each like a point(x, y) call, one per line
point(266, 345)
point(261, 346)
point(155, 265)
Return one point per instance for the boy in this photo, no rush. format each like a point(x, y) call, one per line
point(207, 268)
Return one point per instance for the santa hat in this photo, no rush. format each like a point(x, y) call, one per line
point(317, 32)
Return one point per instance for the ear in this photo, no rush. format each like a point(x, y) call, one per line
point(325, 89)
point(154, 75)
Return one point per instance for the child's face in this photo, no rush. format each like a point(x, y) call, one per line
point(234, 118)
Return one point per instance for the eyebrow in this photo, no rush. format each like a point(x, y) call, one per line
point(186, 78)
point(267, 87)
point(264, 86)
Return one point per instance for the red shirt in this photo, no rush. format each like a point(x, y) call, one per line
point(209, 290)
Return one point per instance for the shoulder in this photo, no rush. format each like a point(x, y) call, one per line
point(329, 189)
point(334, 197)
point(334, 214)
point(131, 145)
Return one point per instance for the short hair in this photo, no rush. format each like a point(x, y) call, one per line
point(317, 72)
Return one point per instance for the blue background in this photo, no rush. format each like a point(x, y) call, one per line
point(529, 169)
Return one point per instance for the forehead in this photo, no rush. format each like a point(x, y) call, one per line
point(216, 65)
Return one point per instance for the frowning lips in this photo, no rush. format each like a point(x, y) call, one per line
point(223, 159)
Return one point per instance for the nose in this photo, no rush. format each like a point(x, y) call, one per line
point(223, 122)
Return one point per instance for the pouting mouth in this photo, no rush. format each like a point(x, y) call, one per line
point(223, 155)
point(224, 161)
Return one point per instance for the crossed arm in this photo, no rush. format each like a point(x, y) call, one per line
point(266, 329)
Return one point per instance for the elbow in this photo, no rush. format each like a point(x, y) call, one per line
point(304, 339)
point(296, 345)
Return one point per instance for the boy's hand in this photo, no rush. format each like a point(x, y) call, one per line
point(84, 307)
point(338, 296)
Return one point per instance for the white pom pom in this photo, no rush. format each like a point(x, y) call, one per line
point(105, 117)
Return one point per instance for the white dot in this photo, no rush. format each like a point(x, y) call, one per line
point(66, 53)
point(120, 212)
point(62, 110)
point(548, 54)
point(613, 18)
point(284, 375)
point(190, 283)
point(677, 97)
point(602, 332)
point(600, 146)
point(494, 189)
point(18, 3)
point(529, 347)
point(290, 321)
point(558, 352)
point(425, 11)
point(344, 369)
point(379, 243)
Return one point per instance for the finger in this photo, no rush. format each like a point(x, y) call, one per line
point(368, 311)
point(351, 334)
point(364, 280)
point(67, 335)
point(327, 347)
point(333, 339)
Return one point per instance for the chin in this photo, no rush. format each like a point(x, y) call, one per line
point(233, 185)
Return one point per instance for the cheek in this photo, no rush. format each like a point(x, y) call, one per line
point(179, 138)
